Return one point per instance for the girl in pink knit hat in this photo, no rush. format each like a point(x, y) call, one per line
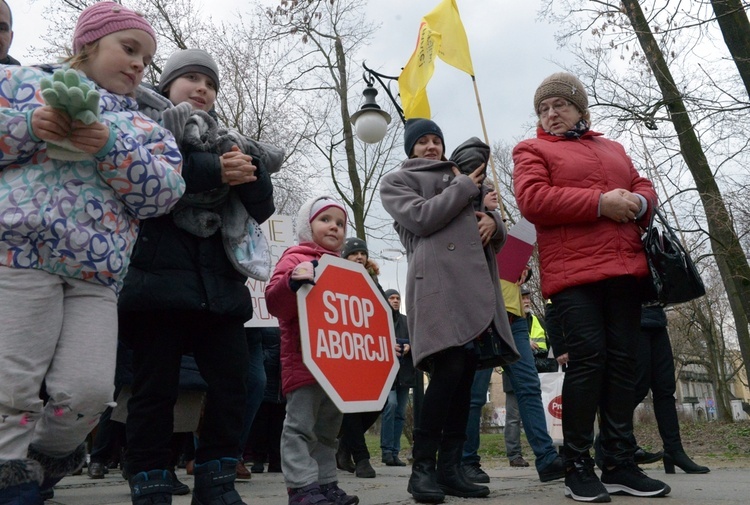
point(79, 168)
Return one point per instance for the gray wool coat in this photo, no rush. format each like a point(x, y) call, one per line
point(452, 288)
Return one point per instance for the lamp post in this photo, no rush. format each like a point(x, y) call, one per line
point(370, 121)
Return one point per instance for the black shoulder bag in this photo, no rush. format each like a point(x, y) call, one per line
point(673, 276)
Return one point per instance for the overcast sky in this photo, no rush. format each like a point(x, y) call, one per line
point(512, 51)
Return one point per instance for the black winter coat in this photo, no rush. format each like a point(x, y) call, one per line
point(172, 269)
point(405, 376)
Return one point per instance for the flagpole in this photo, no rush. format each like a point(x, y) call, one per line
point(487, 141)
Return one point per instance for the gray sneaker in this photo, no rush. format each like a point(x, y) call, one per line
point(629, 479)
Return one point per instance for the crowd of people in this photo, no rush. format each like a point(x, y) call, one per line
point(124, 239)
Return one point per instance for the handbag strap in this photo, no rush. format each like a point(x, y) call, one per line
point(663, 221)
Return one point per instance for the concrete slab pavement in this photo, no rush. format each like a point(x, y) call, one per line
point(723, 486)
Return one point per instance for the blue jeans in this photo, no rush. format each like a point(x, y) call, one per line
point(525, 381)
point(478, 399)
point(392, 420)
point(512, 429)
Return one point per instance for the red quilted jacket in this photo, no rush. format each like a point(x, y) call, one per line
point(282, 303)
point(558, 182)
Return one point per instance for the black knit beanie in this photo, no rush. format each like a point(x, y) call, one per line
point(470, 155)
point(390, 292)
point(352, 245)
point(186, 61)
point(417, 128)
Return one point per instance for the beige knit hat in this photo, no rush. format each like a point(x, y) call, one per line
point(563, 85)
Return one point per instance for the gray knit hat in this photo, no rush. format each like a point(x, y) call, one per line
point(186, 61)
point(563, 85)
point(417, 128)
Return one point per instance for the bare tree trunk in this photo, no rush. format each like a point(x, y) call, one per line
point(735, 29)
point(331, 33)
point(711, 357)
point(357, 198)
point(731, 259)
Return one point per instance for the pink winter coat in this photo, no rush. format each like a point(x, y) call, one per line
point(558, 182)
point(282, 303)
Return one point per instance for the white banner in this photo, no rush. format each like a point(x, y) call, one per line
point(279, 231)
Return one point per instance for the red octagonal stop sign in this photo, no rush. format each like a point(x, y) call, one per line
point(347, 335)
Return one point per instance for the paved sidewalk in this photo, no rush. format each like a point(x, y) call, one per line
point(519, 486)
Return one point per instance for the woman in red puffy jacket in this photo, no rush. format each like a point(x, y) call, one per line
point(587, 202)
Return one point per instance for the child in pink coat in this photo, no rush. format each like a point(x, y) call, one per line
point(308, 440)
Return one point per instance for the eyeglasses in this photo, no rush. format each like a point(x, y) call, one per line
point(558, 107)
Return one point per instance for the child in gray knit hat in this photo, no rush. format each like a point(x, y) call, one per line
point(186, 284)
point(190, 80)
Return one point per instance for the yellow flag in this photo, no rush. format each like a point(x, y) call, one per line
point(454, 50)
point(412, 83)
point(441, 34)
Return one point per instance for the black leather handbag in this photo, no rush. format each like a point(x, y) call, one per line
point(673, 276)
point(491, 350)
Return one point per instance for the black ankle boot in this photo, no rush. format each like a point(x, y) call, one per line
point(151, 488)
point(680, 459)
point(214, 483)
point(450, 475)
point(423, 484)
point(344, 458)
point(643, 457)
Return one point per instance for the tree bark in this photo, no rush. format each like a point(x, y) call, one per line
point(735, 28)
point(731, 259)
point(357, 199)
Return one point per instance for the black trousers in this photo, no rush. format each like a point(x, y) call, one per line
point(352, 433)
point(445, 407)
point(655, 371)
point(109, 439)
point(264, 442)
point(158, 340)
point(600, 322)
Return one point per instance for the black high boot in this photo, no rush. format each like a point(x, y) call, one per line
point(19, 482)
point(683, 461)
point(57, 467)
point(423, 484)
point(450, 475)
point(214, 483)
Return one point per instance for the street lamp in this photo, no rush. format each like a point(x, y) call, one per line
point(370, 121)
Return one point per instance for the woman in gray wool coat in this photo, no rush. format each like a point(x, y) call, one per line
point(451, 242)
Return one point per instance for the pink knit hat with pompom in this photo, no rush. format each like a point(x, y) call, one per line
point(103, 18)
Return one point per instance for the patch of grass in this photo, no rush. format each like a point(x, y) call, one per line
point(491, 448)
point(703, 439)
point(715, 440)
